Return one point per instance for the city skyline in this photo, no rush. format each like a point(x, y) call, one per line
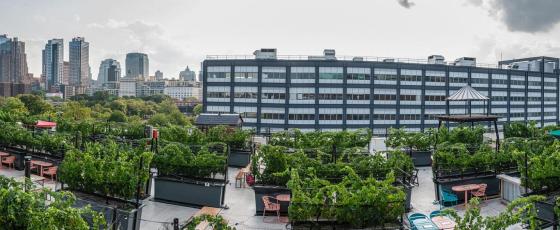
point(183, 33)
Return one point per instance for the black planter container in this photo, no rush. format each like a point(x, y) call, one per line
point(408, 192)
point(265, 190)
point(492, 181)
point(189, 192)
point(19, 164)
point(239, 158)
point(421, 158)
point(545, 212)
point(125, 218)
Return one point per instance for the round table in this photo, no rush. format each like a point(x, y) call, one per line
point(465, 188)
point(283, 197)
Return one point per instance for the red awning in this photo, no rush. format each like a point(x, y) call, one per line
point(45, 124)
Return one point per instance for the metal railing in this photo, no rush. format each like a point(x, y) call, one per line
point(342, 58)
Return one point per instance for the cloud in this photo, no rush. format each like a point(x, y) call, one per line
point(405, 3)
point(530, 16)
point(492, 49)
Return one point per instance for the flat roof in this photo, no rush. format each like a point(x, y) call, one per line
point(468, 118)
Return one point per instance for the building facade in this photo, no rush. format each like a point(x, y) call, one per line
point(137, 65)
point(53, 63)
point(79, 63)
point(187, 75)
point(13, 61)
point(182, 89)
point(329, 93)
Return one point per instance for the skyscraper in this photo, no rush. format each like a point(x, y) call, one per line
point(109, 71)
point(66, 73)
point(13, 60)
point(187, 75)
point(53, 63)
point(137, 65)
point(159, 75)
point(79, 63)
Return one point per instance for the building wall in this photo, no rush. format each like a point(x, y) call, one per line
point(336, 95)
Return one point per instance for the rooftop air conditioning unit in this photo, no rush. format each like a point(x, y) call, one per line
point(466, 61)
point(389, 60)
point(436, 60)
point(330, 54)
point(358, 59)
point(269, 54)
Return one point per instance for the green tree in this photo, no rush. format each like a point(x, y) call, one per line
point(76, 111)
point(117, 116)
point(197, 110)
point(35, 104)
point(14, 105)
point(119, 105)
point(159, 120)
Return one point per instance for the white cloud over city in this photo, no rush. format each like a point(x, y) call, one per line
point(177, 33)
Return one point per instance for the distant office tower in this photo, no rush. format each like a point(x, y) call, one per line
point(187, 75)
point(13, 60)
point(109, 71)
point(53, 63)
point(66, 73)
point(79, 63)
point(159, 75)
point(137, 65)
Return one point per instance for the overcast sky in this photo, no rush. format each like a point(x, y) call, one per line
point(177, 33)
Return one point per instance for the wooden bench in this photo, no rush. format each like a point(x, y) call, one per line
point(206, 211)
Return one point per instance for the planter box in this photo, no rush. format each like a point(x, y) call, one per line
point(492, 181)
point(408, 191)
point(189, 192)
point(239, 158)
point(264, 190)
point(328, 225)
point(421, 158)
point(126, 218)
point(545, 212)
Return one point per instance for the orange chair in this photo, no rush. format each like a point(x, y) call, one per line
point(51, 172)
point(481, 192)
point(9, 161)
point(270, 206)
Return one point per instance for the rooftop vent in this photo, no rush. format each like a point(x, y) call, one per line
point(436, 59)
point(265, 54)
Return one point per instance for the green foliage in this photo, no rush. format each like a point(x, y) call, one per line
point(352, 201)
point(322, 140)
point(520, 211)
point(179, 160)
point(197, 110)
point(399, 138)
point(117, 116)
point(30, 210)
point(35, 104)
point(106, 169)
point(215, 222)
point(457, 157)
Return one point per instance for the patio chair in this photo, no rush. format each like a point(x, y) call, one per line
point(414, 179)
point(270, 206)
point(435, 213)
point(481, 192)
point(9, 161)
point(416, 217)
point(51, 172)
point(448, 197)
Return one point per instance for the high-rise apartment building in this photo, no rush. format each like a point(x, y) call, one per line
point(137, 65)
point(187, 75)
point(53, 64)
point(66, 73)
point(159, 75)
point(13, 61)
point(109, 71)
point(79, 63)
point(334, 93)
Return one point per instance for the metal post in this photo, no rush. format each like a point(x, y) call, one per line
point(175, 223)
point(138, 183)
point(497, 135)
point(28, 166)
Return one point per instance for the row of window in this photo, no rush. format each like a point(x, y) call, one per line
point(358, 117)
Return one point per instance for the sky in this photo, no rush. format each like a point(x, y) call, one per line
point(180, 33)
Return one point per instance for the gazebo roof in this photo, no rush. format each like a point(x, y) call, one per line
point(467, 93)
point(45, 124)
